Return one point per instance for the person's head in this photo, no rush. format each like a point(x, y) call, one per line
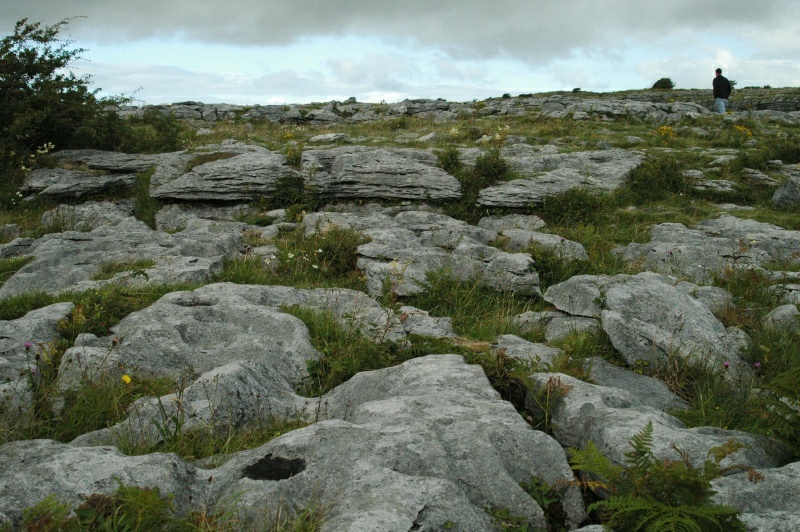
point(719, 72)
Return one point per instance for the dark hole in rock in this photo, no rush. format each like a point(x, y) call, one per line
point(275, 468)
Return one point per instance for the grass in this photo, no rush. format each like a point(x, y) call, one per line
point(322, 260)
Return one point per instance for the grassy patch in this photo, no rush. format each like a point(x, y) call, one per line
point(477, 310)
point(325, 259)
point(9, 267)
point(345, 351)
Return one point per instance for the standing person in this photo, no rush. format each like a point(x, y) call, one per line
point(722, 90)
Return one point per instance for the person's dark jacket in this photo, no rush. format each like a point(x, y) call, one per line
point(722, 87)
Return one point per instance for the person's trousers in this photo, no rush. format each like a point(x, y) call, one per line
point(722, 104)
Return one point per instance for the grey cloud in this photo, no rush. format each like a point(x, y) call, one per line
point(533, 31)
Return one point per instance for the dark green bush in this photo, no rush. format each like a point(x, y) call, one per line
point(664, 84)
point(42, 100)
point(655, 179)
point(575, 206)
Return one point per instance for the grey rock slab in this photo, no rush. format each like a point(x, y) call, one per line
point(768, 504)
point(113, 161)
point(520, 240)
point(646, 390)
point(240, 178)
point(610, 417)
point(420, 322)
point(31, 470)
point(70, 260)
point(552, 174)
point(712, 246)
point(89, 215)
point(198, 331)
point(648, 318)
point(18, 247)
point(59, 183)
point(176, 217)
point(758, 178)
point(785, 317)
point(380, 173)
point(541, 355)
point(37, 327)
point(512, 221)
point(419, 444)
point(788, 195)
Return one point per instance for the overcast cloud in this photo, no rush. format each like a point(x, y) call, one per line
point(267, 51)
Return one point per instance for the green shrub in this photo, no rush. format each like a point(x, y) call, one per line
point(575, 206)
point(664, 84)
point(42, 99)
point(655, 179)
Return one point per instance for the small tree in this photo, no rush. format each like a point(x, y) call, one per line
point(664, 83)
point(42, 100)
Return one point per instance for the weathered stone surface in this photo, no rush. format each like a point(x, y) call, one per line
point(512, 221)
point(712, 246)
point(610, 417)
point(645, 390)
point(785, 317)
point(38, 326)
point(768, 504)
point(421, 323)
point(556, 325)
point(69, 473)
point(112, 161)
point(788, 195)
point(89, 215)
point(381, 173)
point(240, 178)
point(553, 174)
point(427, 433)
point(59, 183)
point(521, 240)
point(649, 319)
point(541, 355)
point(69, 260)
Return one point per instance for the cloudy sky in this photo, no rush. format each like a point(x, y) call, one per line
point(299, 51)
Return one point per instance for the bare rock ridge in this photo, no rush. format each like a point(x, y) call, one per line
point(428, 444)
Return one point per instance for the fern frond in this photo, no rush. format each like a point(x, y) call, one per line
point(590, 460)
point(641, 457)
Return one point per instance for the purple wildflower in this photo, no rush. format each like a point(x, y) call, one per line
point(726, 364)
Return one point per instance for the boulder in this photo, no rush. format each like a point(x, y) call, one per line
point(713, 246)
point(59, 183)
point(379, 173)
point(243, 177)
point(21, 339)
point(649, 319)
point(766, 503)
point(788, 195)
point(536, 354)
point(645, 390)
point(547, 175)
point(71, 260)
point(610, 417)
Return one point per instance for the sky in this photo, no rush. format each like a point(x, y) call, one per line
point(252, 52)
